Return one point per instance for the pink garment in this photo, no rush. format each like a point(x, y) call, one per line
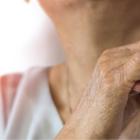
point(27, 110)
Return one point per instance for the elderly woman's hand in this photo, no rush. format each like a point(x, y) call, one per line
point(100, 114)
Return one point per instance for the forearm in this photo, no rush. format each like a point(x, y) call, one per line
point(80, 126)
point(94, 119)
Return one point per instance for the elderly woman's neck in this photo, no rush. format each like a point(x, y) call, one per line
point(86, 31)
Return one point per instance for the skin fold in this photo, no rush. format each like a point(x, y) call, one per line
point(92, 88)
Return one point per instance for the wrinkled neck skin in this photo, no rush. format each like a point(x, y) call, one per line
point(88, 28)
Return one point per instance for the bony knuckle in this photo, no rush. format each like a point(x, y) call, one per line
point(106, 52)
point(110, 73)
point(103, 65)
point(134, 61)
point(104, 56)
point(103, 70)
point(137, 57)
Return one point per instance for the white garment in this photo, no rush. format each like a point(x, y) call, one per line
point(28, 37)
point(33, 115)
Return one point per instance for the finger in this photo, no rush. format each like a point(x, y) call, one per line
point(131, 48)
point(135, 47)
point(132, 69)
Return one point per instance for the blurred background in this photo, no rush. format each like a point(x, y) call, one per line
point(27, 37)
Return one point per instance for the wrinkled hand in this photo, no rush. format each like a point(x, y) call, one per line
point(102, 112)
point(115, 74)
